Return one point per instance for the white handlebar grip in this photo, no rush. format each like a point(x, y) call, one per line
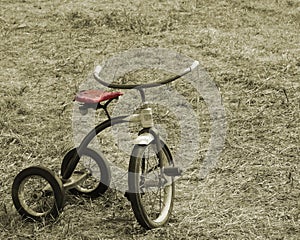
point(98, 69)
point(194, 65)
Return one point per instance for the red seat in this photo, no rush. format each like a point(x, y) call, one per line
point(95, 96)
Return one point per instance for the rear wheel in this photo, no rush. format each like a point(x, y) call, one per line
point(97, 169)
point(151, 192)
point(38, 193)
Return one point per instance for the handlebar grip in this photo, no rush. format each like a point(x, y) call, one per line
point(194, 65)
point(98, 69)
point(191, 68)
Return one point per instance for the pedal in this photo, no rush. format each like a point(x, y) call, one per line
point(172, 171)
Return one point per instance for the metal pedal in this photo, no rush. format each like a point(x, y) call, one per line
point(172, 171)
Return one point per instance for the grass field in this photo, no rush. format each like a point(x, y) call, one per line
point(250, 48)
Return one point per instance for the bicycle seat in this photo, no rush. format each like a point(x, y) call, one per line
point(96, 96)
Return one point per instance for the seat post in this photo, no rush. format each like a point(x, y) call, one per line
point(104, 107)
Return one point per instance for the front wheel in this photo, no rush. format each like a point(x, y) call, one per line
point(151, 192)
point(38, 193)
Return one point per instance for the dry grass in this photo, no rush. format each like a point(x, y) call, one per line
point(251, 50)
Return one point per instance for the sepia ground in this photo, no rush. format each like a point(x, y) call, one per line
point(251, 49)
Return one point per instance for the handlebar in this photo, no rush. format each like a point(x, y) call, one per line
point(147, 85)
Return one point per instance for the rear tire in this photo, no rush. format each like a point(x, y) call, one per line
point(151, 192)
point(96, 166)
point(38, 194)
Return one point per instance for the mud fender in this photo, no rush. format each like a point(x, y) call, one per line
point(144, 139)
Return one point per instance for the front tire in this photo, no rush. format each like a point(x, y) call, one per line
point(151, 192)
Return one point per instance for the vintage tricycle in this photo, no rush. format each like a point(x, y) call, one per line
point(38, 193)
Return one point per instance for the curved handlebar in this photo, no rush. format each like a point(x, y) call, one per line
point(147, 85)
